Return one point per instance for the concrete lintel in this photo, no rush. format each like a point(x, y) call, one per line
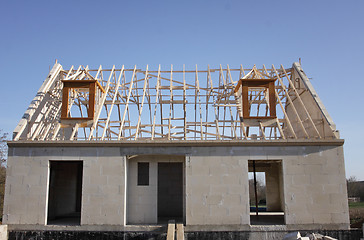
point(141, 143)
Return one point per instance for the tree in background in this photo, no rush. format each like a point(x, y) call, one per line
point(260, 191)
point(3, 158)
point(353, 187)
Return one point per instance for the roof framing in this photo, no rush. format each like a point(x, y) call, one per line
point(199, 105)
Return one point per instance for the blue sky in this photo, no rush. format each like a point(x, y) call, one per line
point(327, 35)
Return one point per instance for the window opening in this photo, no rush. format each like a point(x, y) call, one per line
point(257, 92)
point(143, 173)
point(78, 99)
point(266, 192)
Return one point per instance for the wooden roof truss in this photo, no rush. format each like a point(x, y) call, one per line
point(169, 104)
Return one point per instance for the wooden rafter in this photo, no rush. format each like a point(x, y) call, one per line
point(174, 104)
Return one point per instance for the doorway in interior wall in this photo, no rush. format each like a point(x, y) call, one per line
point(65, 193)
point(266, 196)
point(170, 192)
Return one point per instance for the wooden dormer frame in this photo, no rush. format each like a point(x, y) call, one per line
point(245, 84)
point(91, 85)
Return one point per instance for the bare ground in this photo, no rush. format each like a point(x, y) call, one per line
point(356, 217)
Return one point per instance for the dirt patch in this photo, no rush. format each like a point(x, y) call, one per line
point(356, 217)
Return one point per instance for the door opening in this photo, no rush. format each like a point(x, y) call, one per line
point(170, 192)
point(65, 193)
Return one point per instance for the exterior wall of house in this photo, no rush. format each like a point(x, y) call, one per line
point(26, 190)
point(28, 178)
point(103, 200)
point(315, 187)
point(142, 200)
point(217, 189)
point(216, 184)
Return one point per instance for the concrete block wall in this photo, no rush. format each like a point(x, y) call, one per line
point(309, 175)
point(103, 195)
point(142, 200)
point(26, 190)
point(103, 191)
point(274, 187)
point(216, 190)
point(315, 187)
point(216, 184)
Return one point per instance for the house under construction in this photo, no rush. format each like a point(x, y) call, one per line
point(127, 149)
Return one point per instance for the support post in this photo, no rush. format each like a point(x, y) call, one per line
point(255, 189)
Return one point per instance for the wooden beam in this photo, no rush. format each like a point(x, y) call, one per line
point(99, 107)
point(290, 101)
point(127, 105)
point(156, 103)
point(215, 110)
point(301, 102)
point(142, 104)
point(112, 103)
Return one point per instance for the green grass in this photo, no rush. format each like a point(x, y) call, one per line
point(258, 205)
point(356, 205)
point(356, 211)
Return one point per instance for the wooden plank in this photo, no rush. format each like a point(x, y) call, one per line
point(168, 79)
point(171, 230)
point(290, 101)
point(216, 114)
point(196, 97)
point(71, 77)
point(91, 96)
point(262, 129)
point(280, 129)
point(127, 104)
point(53, 123)
point(245, 102)
point(69, 72)
point(171, 104)
point(223, 85)
point(99, 106)
point(233, 130)
point(156, 103)
point(65, 100)
point(286, 116)
point(116, 90)
point(75, 129)
point(43, 125)
point(272, 100)
point(98, 72)
point(55, 132)
point(199, 100)
point(180, 232)
point(149, 100)
point(184, 103)
point(142, 104)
